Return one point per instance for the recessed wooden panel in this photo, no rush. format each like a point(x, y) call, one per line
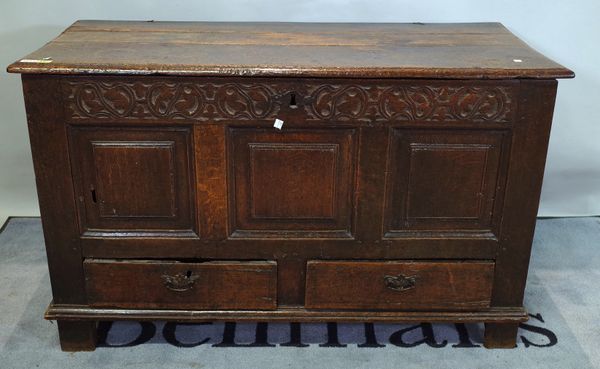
point(308, 170)
point(120, 170)
point(452, 186)
point(442, 181)
point(133, 180)
point(169, 284)
point(398, 285)
point(297, 183)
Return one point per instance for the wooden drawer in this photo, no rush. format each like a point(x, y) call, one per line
point(398, 285)
point(169, 284)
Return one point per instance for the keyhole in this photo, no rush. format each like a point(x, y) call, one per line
point(94, 199)
point(188, 273)
point(293, 104)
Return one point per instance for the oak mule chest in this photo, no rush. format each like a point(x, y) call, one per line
point(288, 172)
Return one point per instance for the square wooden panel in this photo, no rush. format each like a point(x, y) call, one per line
point(133, 180)
point(443, 182)
point(291, 184)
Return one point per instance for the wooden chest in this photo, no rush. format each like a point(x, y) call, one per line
point(402, 185)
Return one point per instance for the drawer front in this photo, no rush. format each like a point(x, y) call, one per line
point(398, 285)
point(167, 284)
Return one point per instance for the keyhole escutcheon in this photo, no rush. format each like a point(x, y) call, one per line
point(293, 104)
point(94, 198)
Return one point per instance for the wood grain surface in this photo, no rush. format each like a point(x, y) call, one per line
point(397, 285)
point(207, 285)
point(467, 50)
point(403, 185)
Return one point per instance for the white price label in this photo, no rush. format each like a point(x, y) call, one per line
point(278, 123)
point(39, 61)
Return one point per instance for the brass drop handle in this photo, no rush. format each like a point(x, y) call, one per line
point(180, 282)
point(400, 282)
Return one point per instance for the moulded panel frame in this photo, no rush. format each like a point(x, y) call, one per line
point(172, 146)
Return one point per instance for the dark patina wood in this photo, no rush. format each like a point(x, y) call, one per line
point(154, 284)
point(473, 50)
point(403, 185)
point(285, 314)
point(397, 285)
point(77, 335)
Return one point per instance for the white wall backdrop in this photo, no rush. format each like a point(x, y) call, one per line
point(566, 31)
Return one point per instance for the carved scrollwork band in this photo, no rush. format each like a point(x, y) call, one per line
point(445, 103)
point(212, 101)
point(169, 101)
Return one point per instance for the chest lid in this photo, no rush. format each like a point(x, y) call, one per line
point(359, 50)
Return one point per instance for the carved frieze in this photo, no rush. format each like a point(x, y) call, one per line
point(168, 101)
point(412, 103)
point(234, 101)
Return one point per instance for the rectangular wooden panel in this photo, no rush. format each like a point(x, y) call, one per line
point(292, 183)
point(134, 180)
point(396, 285)
point(444, 181)
point(181, 285)
point(312, 167)
point(121, 168)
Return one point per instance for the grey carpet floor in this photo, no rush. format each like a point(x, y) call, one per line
point(562, 297)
